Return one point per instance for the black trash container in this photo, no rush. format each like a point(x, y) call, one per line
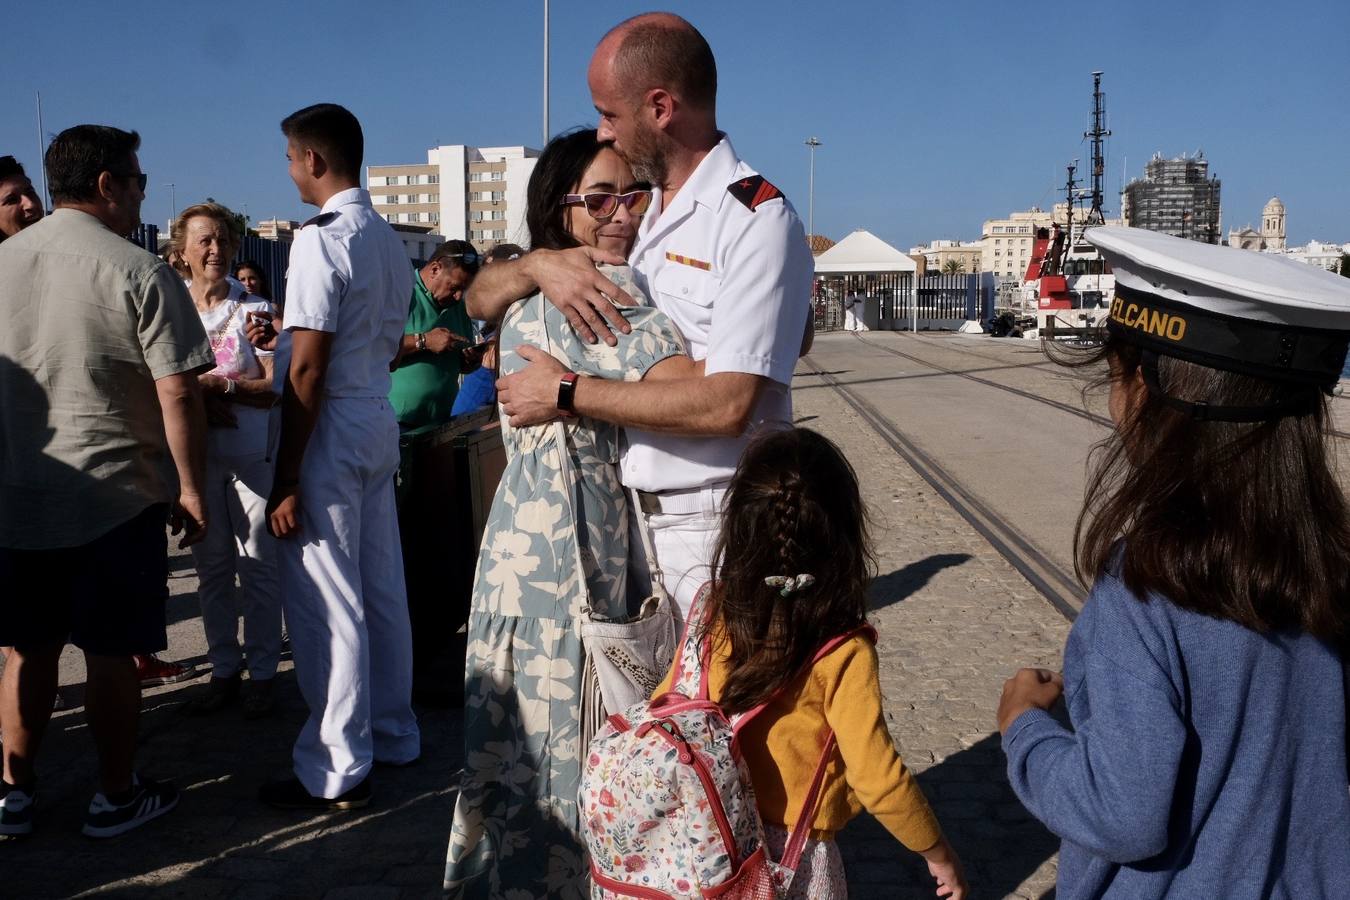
point(447, 476)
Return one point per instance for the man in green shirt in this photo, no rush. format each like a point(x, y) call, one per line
point(432, 355)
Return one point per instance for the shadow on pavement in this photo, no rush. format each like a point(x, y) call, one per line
point(999, 843)
point(220, 841)
point(887, 590)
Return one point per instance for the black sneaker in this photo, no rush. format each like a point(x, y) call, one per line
point(16, 810)
point(289, 793)
point(219, 693)
point(149, 800)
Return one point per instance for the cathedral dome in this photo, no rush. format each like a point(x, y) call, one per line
point(1273, 207)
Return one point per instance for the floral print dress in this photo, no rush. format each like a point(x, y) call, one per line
point(517, 831)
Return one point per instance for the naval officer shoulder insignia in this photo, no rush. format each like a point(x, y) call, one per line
point(752, 190)
point(321, 219)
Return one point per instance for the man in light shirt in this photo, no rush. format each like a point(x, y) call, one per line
point(102, 439)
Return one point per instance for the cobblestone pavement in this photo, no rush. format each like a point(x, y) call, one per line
point(954, 620)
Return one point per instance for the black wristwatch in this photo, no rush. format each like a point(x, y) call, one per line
point(567, 392)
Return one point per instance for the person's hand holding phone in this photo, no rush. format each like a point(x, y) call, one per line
point(261, 329)
point(440, 340)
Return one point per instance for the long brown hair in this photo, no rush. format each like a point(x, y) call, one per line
point(793, 508)
point(1239, 521)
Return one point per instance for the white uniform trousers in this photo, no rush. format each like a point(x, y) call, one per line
point(237, 542)
point(683, 540)
point(853, 318)
point(346, 604)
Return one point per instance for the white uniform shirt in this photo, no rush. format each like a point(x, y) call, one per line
point(349, 275)
point(737, 281)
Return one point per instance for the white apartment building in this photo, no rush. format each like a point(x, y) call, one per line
point(1319, 253)
point(1008, 242)
point(475, 194)
point(967, 255)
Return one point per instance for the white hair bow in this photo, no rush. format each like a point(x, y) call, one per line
point(788, 585)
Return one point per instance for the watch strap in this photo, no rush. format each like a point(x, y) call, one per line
point(567, 391)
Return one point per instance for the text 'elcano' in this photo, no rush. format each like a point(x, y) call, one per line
point(1151, 321)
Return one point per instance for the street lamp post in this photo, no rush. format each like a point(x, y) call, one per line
point(546, 132)
point(173, 202)
point(812, 143)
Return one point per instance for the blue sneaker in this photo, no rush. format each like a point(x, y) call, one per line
point(16, 811)
point(149, 800)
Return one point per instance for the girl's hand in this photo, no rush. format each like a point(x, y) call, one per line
point(1028, 689)
point(945, 867)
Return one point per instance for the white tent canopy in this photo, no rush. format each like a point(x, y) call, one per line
point(862, 252)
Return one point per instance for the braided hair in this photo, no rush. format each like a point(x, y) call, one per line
point(793, 508)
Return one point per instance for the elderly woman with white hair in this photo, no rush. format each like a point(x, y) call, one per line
point(238, 394)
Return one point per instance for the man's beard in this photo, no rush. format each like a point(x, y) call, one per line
point(648, 160)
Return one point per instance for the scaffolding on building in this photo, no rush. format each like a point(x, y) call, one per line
point(1176, 196)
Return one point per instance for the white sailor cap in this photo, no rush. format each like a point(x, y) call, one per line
point(1239, 310)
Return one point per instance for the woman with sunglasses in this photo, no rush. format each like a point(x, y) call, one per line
point(516, 829)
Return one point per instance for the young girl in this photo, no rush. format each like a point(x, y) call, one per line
point(790, 571)
point(1205, 676)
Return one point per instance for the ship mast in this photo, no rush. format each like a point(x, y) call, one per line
point(1070, 194)
point(1098, 132)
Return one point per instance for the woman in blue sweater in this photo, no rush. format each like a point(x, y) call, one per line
point(1205, 678)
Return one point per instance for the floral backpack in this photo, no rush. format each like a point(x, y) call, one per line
point(667, 805)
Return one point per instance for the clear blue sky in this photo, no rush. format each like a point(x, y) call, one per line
point(934, 116)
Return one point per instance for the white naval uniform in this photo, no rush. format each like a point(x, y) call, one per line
point(342, 575)
point(853, 313)
point(737, 281)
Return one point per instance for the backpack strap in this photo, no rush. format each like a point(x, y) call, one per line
point(796, 842)
point(690, 669)
point(740, 720)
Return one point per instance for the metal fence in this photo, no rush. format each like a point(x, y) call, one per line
point(897, 301)
point(273, 256)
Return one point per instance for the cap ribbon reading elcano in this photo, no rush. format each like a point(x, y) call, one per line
point(1265, 349)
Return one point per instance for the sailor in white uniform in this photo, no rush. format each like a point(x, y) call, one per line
point(333, 504)
point(729, 263)
point(721, 252)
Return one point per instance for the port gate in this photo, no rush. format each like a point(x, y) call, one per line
point(897, 301)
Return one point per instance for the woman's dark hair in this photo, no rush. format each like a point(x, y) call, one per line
point(10, 168)
point(265, 291)
point(78, 156)
point(793, 508)
point(560, 167)
point(1238, 521)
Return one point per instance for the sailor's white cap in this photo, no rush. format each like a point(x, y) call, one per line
point(1242, 310)
point(1246, 284)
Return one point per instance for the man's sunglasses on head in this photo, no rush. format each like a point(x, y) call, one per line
point(467, 258)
